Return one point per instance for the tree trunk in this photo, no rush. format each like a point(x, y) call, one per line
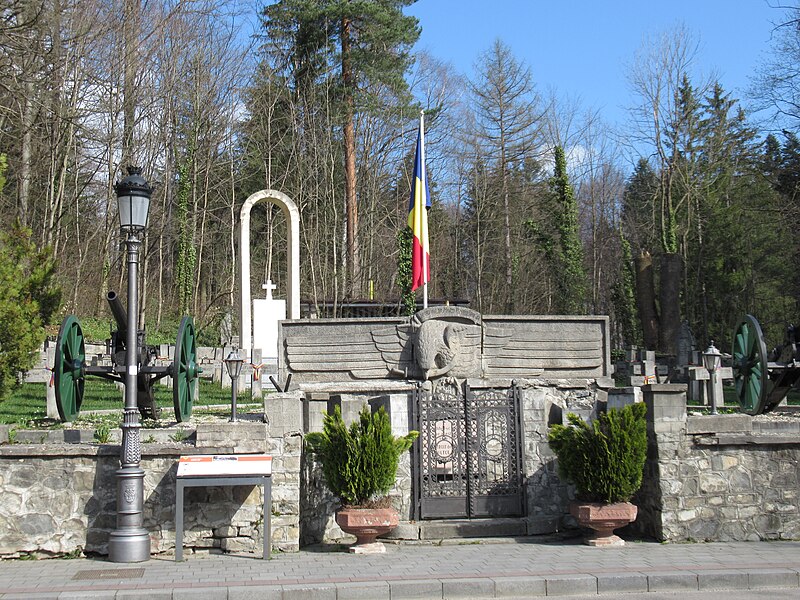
point(350, 161)
point(646, 300)
point(670, 322)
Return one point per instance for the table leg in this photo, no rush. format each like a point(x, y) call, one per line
point(267, 518)
point(179, 521)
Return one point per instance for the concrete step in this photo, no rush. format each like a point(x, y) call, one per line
point(471, 528)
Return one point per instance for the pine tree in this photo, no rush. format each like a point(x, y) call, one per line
point(374, 40)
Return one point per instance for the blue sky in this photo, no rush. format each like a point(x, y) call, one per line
point(583, 48)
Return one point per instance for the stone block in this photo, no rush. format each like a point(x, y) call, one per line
point(543, 525)
point(309, 591)
point(622, 582)
point(366, 590)
point(207, 593)
point(571, 585)
point(404, 531)
point(153, 594)
point(773, 578)
point(670, 581)
point(468, 588)
point(284, 413)
point(254, 592)
point(520, 587)
point(415, 588)
point(719, 424)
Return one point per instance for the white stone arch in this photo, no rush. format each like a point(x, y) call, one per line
point(292, 215)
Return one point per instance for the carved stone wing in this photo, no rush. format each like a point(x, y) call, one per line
point(562, 347)
point(346, 350)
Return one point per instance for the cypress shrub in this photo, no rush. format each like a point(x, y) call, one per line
point(605, 460)
point(359, 462)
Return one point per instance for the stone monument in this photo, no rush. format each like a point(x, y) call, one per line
point(292, 215)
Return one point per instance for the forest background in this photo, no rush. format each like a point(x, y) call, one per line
point(687, 213)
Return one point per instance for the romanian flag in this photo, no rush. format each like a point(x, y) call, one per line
point(418, 215)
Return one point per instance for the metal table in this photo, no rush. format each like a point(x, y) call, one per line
point(222, 480)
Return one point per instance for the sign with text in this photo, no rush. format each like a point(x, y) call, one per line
point(213, 465)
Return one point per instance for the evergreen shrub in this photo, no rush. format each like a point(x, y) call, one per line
point(359, 462)
point(605, 460)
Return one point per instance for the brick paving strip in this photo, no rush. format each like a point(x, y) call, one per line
point(506, 569)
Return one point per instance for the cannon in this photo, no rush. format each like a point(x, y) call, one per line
point(763, 379)
point(70, 368)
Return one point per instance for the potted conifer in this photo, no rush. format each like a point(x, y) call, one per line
point(605, 461)
point(360, 465)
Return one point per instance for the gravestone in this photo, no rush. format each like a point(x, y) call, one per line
point(266, 314)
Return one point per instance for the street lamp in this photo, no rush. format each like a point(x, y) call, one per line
point(234, 364)
point(712, 359)
point(130, 541)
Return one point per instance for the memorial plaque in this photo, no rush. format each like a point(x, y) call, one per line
point(224, 465)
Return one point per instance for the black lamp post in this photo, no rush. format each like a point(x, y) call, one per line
point(712, 359)
point(130, 541)
point(234, 364)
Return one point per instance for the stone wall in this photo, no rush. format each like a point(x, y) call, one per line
point(718, 478)
point(61, 498)
point(318, 505)
point(727, 477)
point(543, 403)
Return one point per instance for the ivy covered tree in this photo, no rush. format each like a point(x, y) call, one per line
point(569, 273)
point(187, 255)
point(408, 300)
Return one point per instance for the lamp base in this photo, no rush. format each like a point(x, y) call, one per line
point(129, 546)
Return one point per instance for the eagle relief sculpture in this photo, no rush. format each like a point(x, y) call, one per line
point(444, 341)
point(433, 343)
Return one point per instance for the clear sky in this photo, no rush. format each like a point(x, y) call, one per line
point(583, 48)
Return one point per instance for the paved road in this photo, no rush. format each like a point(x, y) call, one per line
point(511, 568)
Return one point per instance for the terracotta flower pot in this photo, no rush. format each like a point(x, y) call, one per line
point(367, 524)
point(603, 519)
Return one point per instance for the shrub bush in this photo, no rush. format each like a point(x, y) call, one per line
point(606, 460)
point(359, 462)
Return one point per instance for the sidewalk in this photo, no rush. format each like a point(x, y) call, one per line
point(490, 569)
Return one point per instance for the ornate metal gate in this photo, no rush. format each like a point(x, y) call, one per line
point(468, 463)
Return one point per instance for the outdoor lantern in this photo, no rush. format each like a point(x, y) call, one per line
point(712, 358)
point(133, 200)
point(234, 364)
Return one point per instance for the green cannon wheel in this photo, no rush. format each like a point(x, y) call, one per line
point(750, 366)
point(184, 370)
point(69, 369)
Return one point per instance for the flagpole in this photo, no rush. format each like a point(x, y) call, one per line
point(424, 207)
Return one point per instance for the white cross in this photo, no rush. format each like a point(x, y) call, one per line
point(269, 286)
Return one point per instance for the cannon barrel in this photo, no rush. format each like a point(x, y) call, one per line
point(120, 316)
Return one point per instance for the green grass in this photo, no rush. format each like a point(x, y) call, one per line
point(27, 405)
point(731, 400)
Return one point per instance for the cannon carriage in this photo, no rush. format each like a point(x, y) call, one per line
point(70, 369)
point(763, 378)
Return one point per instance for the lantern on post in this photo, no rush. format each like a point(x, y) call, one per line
point(712, 359)
point(234, 364)
point(130, 541)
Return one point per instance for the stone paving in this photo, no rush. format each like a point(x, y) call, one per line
point(489, 569)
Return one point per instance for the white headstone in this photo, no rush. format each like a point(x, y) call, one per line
point(266, 314)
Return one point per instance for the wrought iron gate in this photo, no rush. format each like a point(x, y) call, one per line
point(468, 463)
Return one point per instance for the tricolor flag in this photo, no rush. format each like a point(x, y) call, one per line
point(418, 215)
